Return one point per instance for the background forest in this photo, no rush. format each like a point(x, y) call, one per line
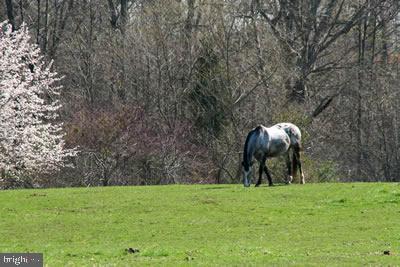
point(165, 91)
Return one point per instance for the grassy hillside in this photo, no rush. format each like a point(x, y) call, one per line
point(314, 224)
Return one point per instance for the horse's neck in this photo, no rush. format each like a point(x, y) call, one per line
point(251, 143)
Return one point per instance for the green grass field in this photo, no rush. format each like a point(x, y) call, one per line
point(315, 224)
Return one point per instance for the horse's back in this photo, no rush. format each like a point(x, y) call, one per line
point(270, 142)
point(292, 131)
point(278, 142)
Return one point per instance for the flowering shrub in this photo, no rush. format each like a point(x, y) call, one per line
point(31, 139)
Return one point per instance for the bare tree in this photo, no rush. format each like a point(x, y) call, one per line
point(306, 30)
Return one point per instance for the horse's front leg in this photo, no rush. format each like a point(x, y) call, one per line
point(268, 175)
point(260, 171)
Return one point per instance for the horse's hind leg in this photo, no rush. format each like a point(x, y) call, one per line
point(268, 175)
point(297, 160)
point(289, 166)
point(260, 171)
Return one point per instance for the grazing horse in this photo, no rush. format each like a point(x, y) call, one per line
point(263, 143)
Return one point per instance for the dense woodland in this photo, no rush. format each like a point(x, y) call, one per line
point(165, 91)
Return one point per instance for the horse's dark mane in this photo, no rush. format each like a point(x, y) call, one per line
point(246, 161)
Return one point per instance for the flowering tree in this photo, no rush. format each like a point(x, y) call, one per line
point(30, 136)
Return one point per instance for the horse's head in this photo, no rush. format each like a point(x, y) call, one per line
point(246, 174)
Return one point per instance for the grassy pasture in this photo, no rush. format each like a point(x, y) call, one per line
point(315, 224)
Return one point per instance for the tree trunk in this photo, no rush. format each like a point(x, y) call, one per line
point(38, 24)
point(46, 26)
point(124, 15)
point(298, 90)
point(361, 55)
point(10, 13)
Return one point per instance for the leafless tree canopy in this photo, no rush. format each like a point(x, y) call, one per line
point(165, 91)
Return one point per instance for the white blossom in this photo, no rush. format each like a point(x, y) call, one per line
point(31, 139)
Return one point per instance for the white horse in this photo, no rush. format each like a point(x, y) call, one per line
point(263, 143)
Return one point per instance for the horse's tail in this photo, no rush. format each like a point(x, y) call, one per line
point(246, 153)
point(299, 146)
point(295, 163)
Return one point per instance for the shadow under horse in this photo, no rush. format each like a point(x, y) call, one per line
point(263, 142)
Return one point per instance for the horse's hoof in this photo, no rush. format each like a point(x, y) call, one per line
point(246, 185)
point(270, 184)
point(257, 185)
